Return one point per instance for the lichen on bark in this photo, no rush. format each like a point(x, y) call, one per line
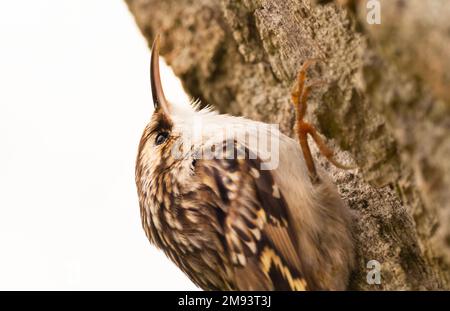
point(385, 104)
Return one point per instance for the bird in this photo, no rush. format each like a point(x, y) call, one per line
point(236, 220)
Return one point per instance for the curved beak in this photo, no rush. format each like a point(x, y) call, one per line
point(159, 100)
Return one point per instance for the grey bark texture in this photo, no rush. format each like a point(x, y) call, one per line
point(385, 106)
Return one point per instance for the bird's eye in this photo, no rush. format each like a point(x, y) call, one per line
point(161, 138)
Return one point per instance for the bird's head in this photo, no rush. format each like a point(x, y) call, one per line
point(172, 137)
point(179, 135)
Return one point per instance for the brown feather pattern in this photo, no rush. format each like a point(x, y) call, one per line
point(227, 229)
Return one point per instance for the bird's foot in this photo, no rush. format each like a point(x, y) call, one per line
point(299, 97)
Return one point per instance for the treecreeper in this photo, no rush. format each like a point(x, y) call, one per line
point(232, 214)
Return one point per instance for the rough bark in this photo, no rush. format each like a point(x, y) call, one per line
point(386, 105)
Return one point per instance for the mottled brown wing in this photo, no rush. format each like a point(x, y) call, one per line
point(256, 226)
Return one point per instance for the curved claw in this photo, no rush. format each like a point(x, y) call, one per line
point(299, 97)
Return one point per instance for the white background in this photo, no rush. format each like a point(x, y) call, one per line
point(74, 99)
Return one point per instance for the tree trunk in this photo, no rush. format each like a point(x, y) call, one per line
point(386, 105)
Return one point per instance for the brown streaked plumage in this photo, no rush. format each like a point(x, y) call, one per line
point(225, 221)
